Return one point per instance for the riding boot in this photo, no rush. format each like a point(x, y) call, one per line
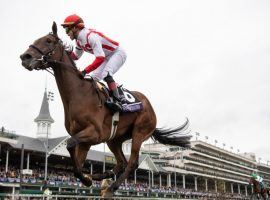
point(122, 97)
point(113, 103)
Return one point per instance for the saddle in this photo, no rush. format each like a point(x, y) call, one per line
point(132, 103)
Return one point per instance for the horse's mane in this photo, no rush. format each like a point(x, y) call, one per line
point(71, 60)
point(73, 64)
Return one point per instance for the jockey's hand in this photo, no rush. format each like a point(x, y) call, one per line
point(82, 73)
point(68, 47)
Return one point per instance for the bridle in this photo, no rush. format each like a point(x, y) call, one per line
point(46, 57)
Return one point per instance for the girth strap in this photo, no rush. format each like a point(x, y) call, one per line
point(115, 121)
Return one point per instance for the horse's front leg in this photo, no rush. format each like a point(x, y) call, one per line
point(78, 146)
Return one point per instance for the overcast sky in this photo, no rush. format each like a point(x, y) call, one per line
point(206, 60)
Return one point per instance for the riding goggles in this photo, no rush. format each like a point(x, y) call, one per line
point(68, 29)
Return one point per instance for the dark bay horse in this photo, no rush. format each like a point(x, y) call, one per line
point(89, 122)
point(258, 191)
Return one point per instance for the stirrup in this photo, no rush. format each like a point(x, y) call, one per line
point(115, 106)
point(124, 101)
point(120, 100)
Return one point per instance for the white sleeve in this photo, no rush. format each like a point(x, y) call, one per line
point(96, 45)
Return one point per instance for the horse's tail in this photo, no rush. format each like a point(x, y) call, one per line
point(173, 136)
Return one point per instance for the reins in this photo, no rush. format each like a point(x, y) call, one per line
point(46, 57)
point(46, 60)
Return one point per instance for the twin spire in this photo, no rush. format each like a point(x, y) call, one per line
point(44, 119)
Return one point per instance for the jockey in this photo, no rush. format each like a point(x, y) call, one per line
point(259, 179)
point(109, 56)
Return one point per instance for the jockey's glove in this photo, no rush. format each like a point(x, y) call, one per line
point(68, 47)
point(84, 73)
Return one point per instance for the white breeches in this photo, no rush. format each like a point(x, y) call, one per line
point(110, 65)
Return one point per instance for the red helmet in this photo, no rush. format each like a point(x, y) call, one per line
point(73, 21)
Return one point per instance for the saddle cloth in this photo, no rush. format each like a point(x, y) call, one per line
point(132, 103)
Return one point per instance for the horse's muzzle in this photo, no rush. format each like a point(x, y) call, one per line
point(27, 65)
point(26, 59)
point(29, 62)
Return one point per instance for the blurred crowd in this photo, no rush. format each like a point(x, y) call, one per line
point(64, 178)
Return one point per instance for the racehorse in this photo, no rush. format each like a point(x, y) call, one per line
point(258, 190)
point(89, 121)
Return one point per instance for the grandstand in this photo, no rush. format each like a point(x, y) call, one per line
point(207, 167)
point(203, 170)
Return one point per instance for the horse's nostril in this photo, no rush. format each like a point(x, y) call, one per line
point(25, 56)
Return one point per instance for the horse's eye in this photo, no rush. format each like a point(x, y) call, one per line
point(49, 40)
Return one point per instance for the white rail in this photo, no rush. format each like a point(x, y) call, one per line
point(55, 197)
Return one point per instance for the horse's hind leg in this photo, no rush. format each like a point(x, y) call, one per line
point(137, 140)
point(121, 162)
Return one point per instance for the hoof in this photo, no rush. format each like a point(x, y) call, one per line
point(87, 181)
point(106, 183)
point(106, 193)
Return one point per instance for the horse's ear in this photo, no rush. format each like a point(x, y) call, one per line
point(54, 28)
